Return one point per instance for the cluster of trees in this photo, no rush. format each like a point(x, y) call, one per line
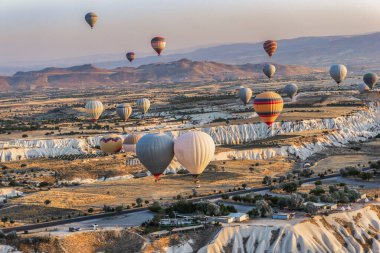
point(354, 172)
point(187, 207)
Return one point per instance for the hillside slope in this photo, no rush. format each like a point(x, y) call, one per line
point(179, 71)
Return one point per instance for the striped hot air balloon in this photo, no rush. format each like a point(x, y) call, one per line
point(158, 44)
point(143, 104)
point(270, 46)
point(111, 143)
point(131, 56)
point(124, 111)
point(94, 108)
point(268, 105)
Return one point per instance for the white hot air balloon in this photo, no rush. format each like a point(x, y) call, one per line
point(94, 108)
point(290, 90)
point(194, 150)
point(245, 94)
point(143, 104)
point(338, 72)
point(363, 88)
point(124, 111)
point(269, 70)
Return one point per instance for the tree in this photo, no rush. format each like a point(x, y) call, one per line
point(366, 176)
point(4, 220)
point(318, 182)
point(290, 187)
point(47, 202)
point(267, 180)
point(155, 207)
point(139, 201)
point(90, 210)
point(318, 191)
point(311, 208)
point(295, 202)
point(264, 208)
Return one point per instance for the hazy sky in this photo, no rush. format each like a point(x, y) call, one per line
point(38, 30)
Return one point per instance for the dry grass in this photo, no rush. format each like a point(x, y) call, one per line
point(125, 192)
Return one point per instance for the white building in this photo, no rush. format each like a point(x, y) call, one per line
point(239, 217)
point(283, 216)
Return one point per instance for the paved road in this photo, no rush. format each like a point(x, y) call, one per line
point(126, 219)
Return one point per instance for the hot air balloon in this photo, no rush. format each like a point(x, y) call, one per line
point(245, 94)
point(143, 104)
point(338, 72)
point(291, 90)
point(269, 70)
point(363, 88)
point(155, 152)
point(94, 108)
point(370, 79)
point(111, 143)
point(129, 144)
point(194, 150)
point(268, 105)
point(158, 44)
point(270, 46)
point(91, 19)
point(124, 111)
point(131, 56)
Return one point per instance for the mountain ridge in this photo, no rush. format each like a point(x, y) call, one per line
point(184, 70)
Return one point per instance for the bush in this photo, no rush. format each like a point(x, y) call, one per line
point(155, 207)
point(290, 187)
point(43, 184)
point(90, 210)
point(118, 209)
point(318, 182)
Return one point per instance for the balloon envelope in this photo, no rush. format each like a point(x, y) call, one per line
point(370, 79)
point(158, 44)
point(245, 94)
point(363, 88)
point(155, 152)
point(91, 19)
point(270, 46)
point(194, 150)
point(269, 70)
point(143, 104)
point(291, 90)
point(268, 105)
point(338, 72)
point(124, 111)
point(129, 143)
point(94, 108)
point(111, 143)
point(131, 56)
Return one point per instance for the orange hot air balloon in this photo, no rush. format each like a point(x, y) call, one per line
point(131, 56)
point(158, 44)
point(270, 46)
point(268, 105)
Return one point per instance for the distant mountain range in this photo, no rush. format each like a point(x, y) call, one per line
point(183, 70)
point(353, 51)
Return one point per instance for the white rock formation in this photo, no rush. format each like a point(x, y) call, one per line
point(359, 126)
point(345, 232)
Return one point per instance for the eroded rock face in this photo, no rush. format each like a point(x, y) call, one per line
point(359, 126)
point(351, 232)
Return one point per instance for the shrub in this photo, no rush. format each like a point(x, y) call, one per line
point(90, 210)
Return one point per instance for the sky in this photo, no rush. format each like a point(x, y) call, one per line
point(43, 30)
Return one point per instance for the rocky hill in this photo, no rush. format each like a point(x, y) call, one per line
point(179, 71)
